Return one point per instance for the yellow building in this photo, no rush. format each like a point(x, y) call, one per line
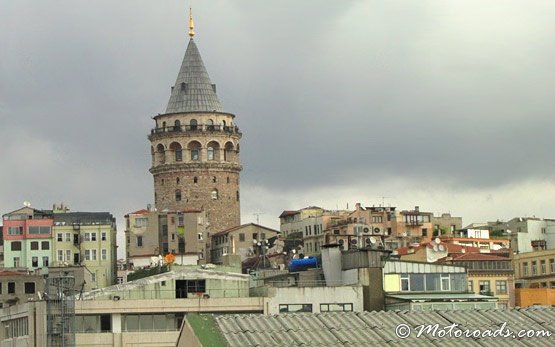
point(535, 269)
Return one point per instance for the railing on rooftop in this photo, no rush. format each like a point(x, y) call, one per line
point(196, 128)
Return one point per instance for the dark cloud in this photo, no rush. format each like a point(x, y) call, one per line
point(456, 95)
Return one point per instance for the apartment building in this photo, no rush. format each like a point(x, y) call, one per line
point(150, 233)
point(245, 240)
point(535, 269)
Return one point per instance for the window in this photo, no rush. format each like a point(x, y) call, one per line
point(193, 124)
point(284, 308)
point(16, 246)
point(39, 230)
point(405, 283)
point(29, 287)
point(214, 179)
point(525, 269)
point(140, 222)
point(103, 236)
point(255, 236)
point(377, 219)
point(424, 232)
point(485, 287)
point(178, 195)
point(93, 254)
point(45, 245)
point(210, 153)
point(16, 261)
point(103, 254)
point(552, 265)
point(93, 236)
point(35, 261)
point(61, 254)
point(194, 154)
point(45, 261)
point(60, 237)
point(543, 267)
point(119, 280)
point(93, 277)
point(11, 287)
point(470, 286)
point(445, 282)
point(336, 307)
point(215, 194)
point(15, 231)
point(68, 237)
point(139, 241)
point(501, 287)
point(195, 179)
point(241, 237)
point(68, 255)
point(87, 237)
point(34, 245)
point(534, 268)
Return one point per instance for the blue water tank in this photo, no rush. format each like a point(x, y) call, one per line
point(303, 264)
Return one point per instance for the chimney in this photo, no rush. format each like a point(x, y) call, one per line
point(357, 206)
point(417, 208)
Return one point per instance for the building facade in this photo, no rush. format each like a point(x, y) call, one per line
point(535, 269)
point(244, 240)
point(27, 238)
point(195, 148)
point(150, 233)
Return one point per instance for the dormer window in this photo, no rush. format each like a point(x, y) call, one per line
point(184, 87)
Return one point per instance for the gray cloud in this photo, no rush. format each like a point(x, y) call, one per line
point(443, 93)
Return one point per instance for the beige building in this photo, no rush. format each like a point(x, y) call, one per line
point(86, 239)
point(446, 224)
point(151, 233)
point(245, 240)
point(535, 269)
point(195, 149)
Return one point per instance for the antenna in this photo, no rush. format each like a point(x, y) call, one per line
point(257, 214)
point(383, 199)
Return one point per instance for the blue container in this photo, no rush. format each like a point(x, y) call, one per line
point(303, 264)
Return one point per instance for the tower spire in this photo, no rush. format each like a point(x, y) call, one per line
point(191, 24)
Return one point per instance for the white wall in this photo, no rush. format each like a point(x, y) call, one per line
point(315, 296)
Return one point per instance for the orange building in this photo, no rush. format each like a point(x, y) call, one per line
point(525, 297)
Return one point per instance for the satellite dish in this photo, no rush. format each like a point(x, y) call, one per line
point(366, 230)
point(372, 240)
point(441, 248)
point(437, 241)
point(26, 203)
point(435, 248)
point(404, 234)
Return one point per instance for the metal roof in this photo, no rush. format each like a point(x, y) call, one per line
point(378, 328)
point(193, 91)
point(440, 296)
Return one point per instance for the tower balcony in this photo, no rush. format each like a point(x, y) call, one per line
point(195, 129)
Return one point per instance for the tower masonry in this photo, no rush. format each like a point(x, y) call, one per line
point(195, 148)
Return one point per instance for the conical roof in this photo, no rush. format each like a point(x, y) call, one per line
point(193, 91)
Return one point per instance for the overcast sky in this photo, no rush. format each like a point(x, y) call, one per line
point(443, 104)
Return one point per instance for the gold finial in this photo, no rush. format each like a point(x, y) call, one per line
point(191, 24)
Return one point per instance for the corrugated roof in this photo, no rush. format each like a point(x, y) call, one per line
point(378, 328)
point(193, 91)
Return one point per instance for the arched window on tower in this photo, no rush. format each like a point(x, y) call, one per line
point(160, 153)
point(210, 125)
point(215, 194)
point(214, 179)
point(213, 150)
point(176, 149)
point(228, 151)
point(177, 125)
point(194, 148)
point(177, 195)
point(163, 126)
point(237, 193)
point(177, 180)
point(195, 179)
point(193, 124)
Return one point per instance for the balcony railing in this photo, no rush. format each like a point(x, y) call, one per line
point(196, 128)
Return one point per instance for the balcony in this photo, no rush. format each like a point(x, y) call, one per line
point(196, 129)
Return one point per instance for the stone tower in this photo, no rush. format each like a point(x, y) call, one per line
point(195, 148)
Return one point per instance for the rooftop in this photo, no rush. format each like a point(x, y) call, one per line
point(378, 328)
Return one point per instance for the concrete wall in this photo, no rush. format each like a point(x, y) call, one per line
point(314, 296)
point(525, 297)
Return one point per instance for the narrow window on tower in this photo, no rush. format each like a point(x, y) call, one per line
point(214, 179)
point(228, 180)
point(195, 179)
point(237, 195)
point(193, 124)
point(215, 194)
point(177, 180)
point(210, 125)
point(210, 153)
point(184, 87)
point(178, 195)
point(177, 125)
